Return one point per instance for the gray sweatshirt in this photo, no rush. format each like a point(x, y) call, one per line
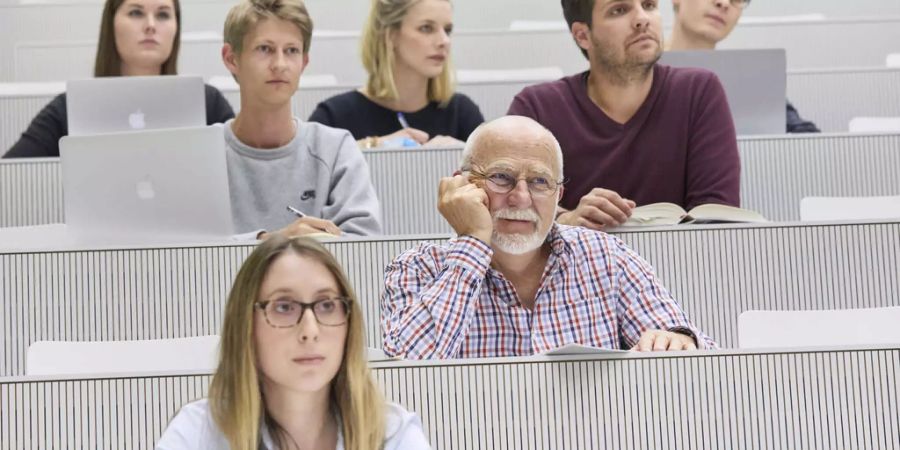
point(321, 172)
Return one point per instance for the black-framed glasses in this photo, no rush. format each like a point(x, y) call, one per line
point(740, 3)
point(501, 182)
point(287, 313)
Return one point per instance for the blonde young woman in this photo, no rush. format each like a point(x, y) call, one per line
point(292, 372)
point(409, 93)
point(137, 37)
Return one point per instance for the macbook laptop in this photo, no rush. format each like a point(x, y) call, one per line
point(113, 104)
point(755, 83)
point(156, 186)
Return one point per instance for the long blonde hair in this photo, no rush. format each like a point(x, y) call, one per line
point(235, 397)
point(378, 54)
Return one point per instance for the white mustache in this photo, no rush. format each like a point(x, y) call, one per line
point(517, 214)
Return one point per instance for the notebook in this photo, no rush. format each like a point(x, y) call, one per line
point(154, 186)
point(114, 104)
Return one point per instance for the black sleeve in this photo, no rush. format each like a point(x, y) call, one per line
point(41, 139)
point(796, 124)
point(469, 117)
point(218, 110)
point(322, 114)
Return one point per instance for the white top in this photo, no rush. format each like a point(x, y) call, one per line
point(194, 428)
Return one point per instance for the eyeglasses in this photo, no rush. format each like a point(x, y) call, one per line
point(740, 3)
point(287, 313)
point(503, 183)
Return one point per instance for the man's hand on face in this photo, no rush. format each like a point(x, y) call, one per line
point(660, 340)
point(465, 207)
point(599, 209)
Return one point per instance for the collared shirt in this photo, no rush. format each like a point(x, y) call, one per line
point(445, 301)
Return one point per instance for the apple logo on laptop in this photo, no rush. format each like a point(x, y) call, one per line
point(136, 120)
point(145, 190)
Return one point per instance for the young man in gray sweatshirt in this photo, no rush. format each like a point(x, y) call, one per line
point(276, 161)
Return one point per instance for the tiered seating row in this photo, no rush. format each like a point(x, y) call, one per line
point(715, 272)
point(851, 93)
point(853, 43)
point(796, 399)
point(777, 172)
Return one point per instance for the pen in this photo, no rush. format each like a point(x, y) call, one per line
point(402, 119)
point(296, 211)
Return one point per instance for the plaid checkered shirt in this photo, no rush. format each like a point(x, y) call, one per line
point(445, 301)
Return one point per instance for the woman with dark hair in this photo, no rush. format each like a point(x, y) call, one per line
point(137, 37)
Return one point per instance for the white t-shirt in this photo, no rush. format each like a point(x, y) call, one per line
point(194, 428)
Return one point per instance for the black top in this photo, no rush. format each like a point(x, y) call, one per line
point(41, 139)
point(796, 124)
point(353, 111)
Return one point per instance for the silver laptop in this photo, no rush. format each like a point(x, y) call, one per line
point(113, 104)
point(755, 83)
point(156, 186)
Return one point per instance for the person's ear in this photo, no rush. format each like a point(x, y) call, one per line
point(229, 58)
point(582, 35)
point(305, 62)
point(559, 195)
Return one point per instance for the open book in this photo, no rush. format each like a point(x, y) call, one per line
point(672, 214)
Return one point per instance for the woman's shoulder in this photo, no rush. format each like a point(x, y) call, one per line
point(403, 429)
point(462, 101)
point(346, 100)
point(193, 427)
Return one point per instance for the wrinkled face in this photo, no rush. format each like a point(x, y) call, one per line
point(422, 43)
point(307, 356)
point(145, 32)
point(269, 66)
point(522, 219)
point(624, 34)
point(711, 20)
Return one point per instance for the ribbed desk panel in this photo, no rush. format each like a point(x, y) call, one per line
point(776, 173)
point(832, 97)
point(815, 399)
point(406, 181)
point(31, 192)
point(147, 293)
point(714, 273)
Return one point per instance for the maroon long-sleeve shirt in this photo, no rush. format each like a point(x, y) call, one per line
point(679, 147)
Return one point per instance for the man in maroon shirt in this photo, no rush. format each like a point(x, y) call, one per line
point(633, 132)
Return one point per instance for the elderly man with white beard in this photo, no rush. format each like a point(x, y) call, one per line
point(514, 282)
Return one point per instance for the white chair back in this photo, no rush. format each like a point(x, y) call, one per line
point(773, 329)
point(874, 124)
point(112, 357)
point(814, 209)
point(893, 60)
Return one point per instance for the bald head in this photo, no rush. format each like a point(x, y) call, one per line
point(507, 135)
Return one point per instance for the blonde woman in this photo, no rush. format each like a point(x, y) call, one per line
point(409, 93)
point(292, 372)
point(137, 37)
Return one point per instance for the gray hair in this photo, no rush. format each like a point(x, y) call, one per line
point(466, 159)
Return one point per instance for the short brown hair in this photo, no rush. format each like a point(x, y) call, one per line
point(108, 62)
point(378, 56)
point(246, 14)
point(578, 11)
